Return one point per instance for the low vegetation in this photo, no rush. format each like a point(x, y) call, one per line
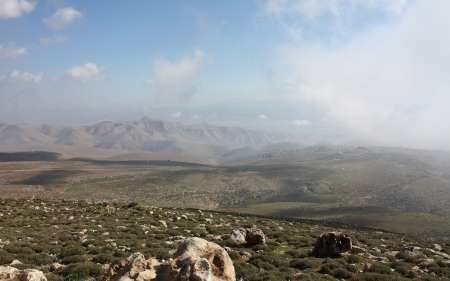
point(86, 237)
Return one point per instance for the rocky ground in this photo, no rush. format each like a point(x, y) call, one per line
point(76, 240)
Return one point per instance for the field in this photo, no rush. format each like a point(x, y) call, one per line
point(396, 189)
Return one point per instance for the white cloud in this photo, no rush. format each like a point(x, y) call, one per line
point(195, 116)
point(387, 85)
point(11, 51)
point(176, 81)
point(301, 122)
point(15, 8)
point(63, 17)
point(87, 73)
point(26, 77)
point(311, 19)
point(57, 39)
point(312, 9)
point(177, 114)
point(262, 116)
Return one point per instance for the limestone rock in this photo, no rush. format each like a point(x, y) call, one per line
point(238, 235)
point(439, 254)
point(436, 247)
point(14, 262)
point(200, 260)
point(413, 251)
point(54, 267)
point(426, 263)
point(358, 250)
point(8, 273)
point(332, 243)
point(135, 267)
point(255, 236)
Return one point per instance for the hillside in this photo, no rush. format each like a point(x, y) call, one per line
point(402, 190)
point(147, 135)
point(76, 240)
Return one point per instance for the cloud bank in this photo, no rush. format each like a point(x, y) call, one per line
point(62, 18)
point(388, 85)
point(177, 81)
point(15, 8)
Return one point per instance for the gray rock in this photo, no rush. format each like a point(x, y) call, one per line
point(238, 235)
point(357, 250)
point(436, 247)
point(413, 251)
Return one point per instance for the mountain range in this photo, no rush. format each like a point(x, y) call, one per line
point(147, 135)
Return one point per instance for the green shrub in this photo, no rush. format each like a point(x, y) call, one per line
point(13, 249)
point(341, 273)
point(81, 271)
point(303, 264)
point(351, 268)
point(103, 259)
point(244, 270)
point(53, 277)
point(297, 253)
point(379, 268)
point(37, 259)
point(271, 258)
point(234, 255)
point(24, 266)
point(354, 259)
point(73, 259)
point(227, 243)
point(402, 270)
point(375, 277)
point(5, 258)
point(72, 251)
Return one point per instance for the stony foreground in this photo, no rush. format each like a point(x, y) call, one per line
point(79, 241)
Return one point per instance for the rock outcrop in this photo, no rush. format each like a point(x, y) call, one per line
point(255, 236)
point(8, 273)
point(200, 260)
point(238, 235)
point(135, 267)
point(332, 243)
point(196, 259)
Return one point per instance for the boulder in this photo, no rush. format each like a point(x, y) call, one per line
point(439, 254)
point(332, 243)
point(413, 251)
point(196, 260)
point(55, 267)
point(135, 267)
point(255, 236)
point(200, 260)
point(238, 235)
point(8, 273)
point(436, 247)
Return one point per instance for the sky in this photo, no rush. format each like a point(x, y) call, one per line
point(370, 69)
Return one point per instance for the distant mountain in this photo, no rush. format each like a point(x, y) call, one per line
point(150, 135)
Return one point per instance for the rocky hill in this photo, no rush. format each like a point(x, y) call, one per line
point(76, 240)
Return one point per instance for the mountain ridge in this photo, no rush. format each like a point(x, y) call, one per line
point(147, 134)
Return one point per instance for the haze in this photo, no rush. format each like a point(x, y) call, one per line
point(370, 70)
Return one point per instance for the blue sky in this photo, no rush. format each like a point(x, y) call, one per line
point(374, 69)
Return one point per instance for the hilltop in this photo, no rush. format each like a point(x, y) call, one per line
point(85, 238)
